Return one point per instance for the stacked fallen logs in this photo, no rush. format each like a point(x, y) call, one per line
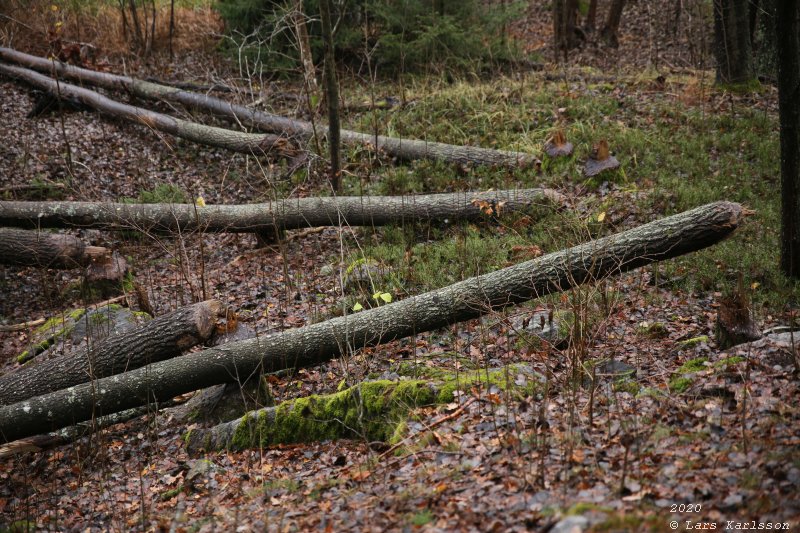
point(404, 149)
point(317, 343)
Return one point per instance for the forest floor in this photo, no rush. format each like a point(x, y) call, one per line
point(695, 435)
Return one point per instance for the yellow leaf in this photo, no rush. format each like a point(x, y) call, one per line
point(601, 217)
point(386, 297)
point(200, 202)
point(358, 307)
point(53, 7)
point(755, 285)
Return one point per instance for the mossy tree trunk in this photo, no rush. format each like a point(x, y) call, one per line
point(732, 48)
point(317, 343)
point(35, 248)
point(236, 141)
point(281, 214)
point(159, 339)
point(788, 35)
point(404, 149)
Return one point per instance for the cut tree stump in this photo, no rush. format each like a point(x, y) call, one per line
point(35, 248)
point(162, 338)
point(280, 214)
point(237, 141)
point(404, 149)
point(311, 345)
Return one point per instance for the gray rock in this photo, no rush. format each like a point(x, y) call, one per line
point(571, 524)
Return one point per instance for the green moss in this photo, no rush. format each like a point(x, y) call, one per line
point(693, 365)
point(694, 341)
point(656, 330)
point(679, 385)
point(422, 518)
point(168, 495)
point(729, 361)
point(584, 507)
point(375, 410)
point(626, 385)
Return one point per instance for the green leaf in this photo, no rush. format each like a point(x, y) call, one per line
point(358, 307)
point(386, 297)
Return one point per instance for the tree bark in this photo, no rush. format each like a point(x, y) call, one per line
point(281, 214)
point(404, 149)
point(50, 250)
point(732, 47)
point(159, 339)
point(591, 17)
point(565, 17)
point(788, 40)
point(610, 32)
point(331, 95)
point(237, 141)
point(317, 343)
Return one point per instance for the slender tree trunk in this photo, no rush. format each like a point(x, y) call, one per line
point(162, 338)
point(237, 141)
point(171, 25)
point(317, 343)
point(50, 250)
point(788, 41)
point(591, 17)
point(732, 47)
point(565, 17)
point(331, 94)
point(610, 32)
point(281, 214)
point(405, 149)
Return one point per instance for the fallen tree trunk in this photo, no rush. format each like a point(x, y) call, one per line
point(237, 141)
point(281, 214)
point(35, 248)
point(317, 343)
point(162, 338)
point(373, 410)
point(404, 149)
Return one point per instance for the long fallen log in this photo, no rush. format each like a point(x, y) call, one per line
point(662, 239)
point(281, 214)
point(35, 248)
point(159, 339)
point(237, 141)
point(405, 149)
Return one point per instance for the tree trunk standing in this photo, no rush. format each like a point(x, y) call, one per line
point(317, 343)
point(171, 25)
point(591, 17)
point(788, 40)
point(331, 94)
point(565, 16)
point(237, 141)
point(732, 47)
point(610, 32)
point(404, 149)
point(34, 248)
point(281, 214)
point(164, 337)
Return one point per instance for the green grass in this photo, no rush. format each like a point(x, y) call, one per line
point(674, 156)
